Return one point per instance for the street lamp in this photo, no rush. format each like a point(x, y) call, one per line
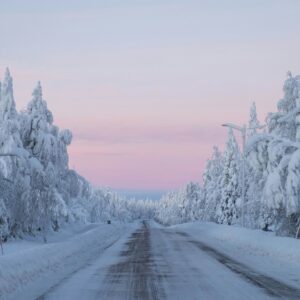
point(243, 131)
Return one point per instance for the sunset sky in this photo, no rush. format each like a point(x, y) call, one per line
point(145, 85)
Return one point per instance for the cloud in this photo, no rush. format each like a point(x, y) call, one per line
point(136, 134)
point(97, 153)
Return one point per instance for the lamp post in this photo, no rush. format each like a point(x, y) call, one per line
point(243, 131)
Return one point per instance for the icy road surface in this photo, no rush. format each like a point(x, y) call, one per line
point(161, 263)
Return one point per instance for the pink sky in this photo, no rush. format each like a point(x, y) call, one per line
point(146, 87)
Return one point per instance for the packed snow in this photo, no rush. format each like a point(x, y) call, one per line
point(149, 261)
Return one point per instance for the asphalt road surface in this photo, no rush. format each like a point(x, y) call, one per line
point(160, 263)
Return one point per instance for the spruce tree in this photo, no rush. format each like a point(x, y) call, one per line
point(230, 186)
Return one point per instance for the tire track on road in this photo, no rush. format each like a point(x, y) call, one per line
point(135, 276)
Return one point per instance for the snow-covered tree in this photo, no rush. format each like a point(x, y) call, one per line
point(181, 206)
point(37, 136)
point(253, 122)
point(272, 161)
point(212, 185)
point(40, 192)
point(230, 185)
point(7, 102)
point(283, 123)
point(280, 190)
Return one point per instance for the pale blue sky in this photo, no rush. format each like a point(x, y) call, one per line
point(145, 85)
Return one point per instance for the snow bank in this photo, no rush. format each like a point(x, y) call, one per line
point(277, 257)
point(255, 242)
point(50, 263)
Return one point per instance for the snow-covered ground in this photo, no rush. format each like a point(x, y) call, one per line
point(29, 266)
point(179, 262)
point(149, 261)
point(278, 257)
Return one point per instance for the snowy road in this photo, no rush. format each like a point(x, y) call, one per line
point(160, 263)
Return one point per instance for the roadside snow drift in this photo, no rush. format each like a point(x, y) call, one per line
point(46, 265)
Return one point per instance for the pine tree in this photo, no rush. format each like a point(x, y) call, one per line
point(253, 122)
point(37, 119)
point(283, 123)
point(281, 187)
point(230, 186)
point(7, 102)
point(212, 185)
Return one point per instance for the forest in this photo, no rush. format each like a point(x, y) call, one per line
point(256, 187)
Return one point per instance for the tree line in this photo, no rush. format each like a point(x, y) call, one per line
point(272, 175)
